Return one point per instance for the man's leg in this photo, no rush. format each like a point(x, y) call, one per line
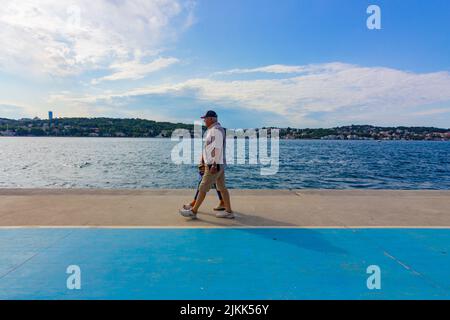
point(201, 196)
point(221, 205)
point(196, 193)
point(203, 188)
point(226, 200)
point(220, 184)
point(219, 195)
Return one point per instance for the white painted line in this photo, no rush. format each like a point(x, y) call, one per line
point(223, 227)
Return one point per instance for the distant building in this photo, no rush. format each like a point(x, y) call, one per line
point(7, 133)
point(50, 118)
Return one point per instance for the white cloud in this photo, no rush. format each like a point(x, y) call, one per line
point(339, 94)
point(55, 37)
point(135, 69)
point(433, 112)
point(286, 69)
point(12, 111)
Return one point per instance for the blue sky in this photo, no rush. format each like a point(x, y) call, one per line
point(298, 63)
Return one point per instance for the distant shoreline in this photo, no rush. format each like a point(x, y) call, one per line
point(168, 138)
point(142, 128)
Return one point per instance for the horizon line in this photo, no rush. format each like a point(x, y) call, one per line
point(263, 127)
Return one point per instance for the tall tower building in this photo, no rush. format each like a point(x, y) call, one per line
point(50, 118)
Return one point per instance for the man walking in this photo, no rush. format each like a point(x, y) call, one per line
point(215, 162)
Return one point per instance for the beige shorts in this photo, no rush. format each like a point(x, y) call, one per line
point(209, 179)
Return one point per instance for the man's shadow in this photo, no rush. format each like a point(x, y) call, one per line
point(310, 239)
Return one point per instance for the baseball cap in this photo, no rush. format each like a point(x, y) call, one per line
point(210, 114)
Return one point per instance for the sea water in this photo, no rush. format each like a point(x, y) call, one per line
point(130, 163)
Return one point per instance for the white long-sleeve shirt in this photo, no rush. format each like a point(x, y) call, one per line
point(215, 140)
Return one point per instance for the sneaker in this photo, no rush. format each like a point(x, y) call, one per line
point(225, 215)
point(187, 206)
point(188, 213)
point(219, 208)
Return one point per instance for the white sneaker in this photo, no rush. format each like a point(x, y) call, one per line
point(225, 215)
point(188, 213)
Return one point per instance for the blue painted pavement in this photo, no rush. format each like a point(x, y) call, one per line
point(225, 263)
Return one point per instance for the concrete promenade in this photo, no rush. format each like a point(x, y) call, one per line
point(284, 244)
point(254, 208)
